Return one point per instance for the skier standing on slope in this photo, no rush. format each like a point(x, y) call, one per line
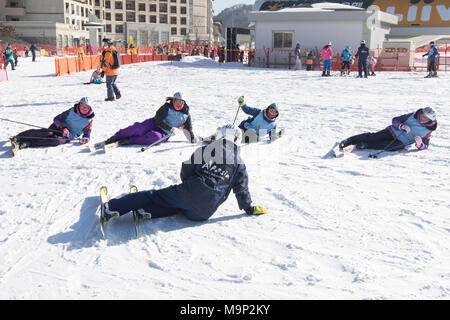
point(327, 55)
point(69, 125)
point(169, 119)
point(207, 180)
point(432, 56)
point(346, 56)
point(405, 130)
point(362, 54)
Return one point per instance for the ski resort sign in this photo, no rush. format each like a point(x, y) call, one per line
point(409, 12)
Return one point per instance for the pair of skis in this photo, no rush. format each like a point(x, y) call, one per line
point(104, 198)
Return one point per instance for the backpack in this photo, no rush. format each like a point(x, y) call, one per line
point(116, 56)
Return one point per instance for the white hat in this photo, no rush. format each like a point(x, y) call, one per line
point(177, 95)
point(229, 133)
point(430, 113)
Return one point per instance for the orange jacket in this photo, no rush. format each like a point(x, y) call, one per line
point(108, 61)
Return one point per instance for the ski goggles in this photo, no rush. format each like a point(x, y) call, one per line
point(272, 113)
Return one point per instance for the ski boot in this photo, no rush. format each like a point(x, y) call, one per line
point(108, 214)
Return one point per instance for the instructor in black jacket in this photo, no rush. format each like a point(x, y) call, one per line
point(207, 180)
point(362, 54)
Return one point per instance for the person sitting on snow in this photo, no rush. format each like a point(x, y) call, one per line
point(405, 130)
point(169, 118)
point(207, 180)
point(67, 126)
point(96, 76)
point(261, 122)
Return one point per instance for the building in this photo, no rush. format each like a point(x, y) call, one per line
point(149, 22)
point(47, 22)
point(313, 26)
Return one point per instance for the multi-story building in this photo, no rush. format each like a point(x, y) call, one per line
point(47, 21)
point(62, 22)
point(157, 21)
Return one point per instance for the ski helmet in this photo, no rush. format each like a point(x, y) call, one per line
point(348, 48)
point(430, 113)
point(363, 41)
point(82, 112)
point(177, 95)
point(108, 41)
point(432, 43)
point(228, 132)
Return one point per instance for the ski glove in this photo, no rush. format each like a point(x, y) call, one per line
point(419, 143)
point(256, 210)
point(404, 127)
point(241, 101)
point(102, 74)
point(65, 132)
point(84, 140)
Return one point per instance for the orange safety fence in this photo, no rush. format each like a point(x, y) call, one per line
point(70, 65)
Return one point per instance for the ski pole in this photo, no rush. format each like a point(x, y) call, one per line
point(157, 141)
point(375, 155)
point(239, 108)
point(30, 125)
point(45, 138)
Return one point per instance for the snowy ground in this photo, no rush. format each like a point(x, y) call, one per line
point(351, 228)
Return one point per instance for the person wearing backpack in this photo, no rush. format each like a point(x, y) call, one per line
point(110, 64)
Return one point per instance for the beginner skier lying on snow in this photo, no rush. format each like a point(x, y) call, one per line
point(169, 118)
point(207, 179)
point(69, 125)
point(405, 130)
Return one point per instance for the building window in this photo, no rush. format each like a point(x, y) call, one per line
point(183, 20)
point(118, 5)
point(152, 19)
point(142, 18)
point(173, 1)
point(163, 18)
point(97, 3)
point(108, 16)
point(119, 28)
point(108, 4)
point(183, 10)
point(173, 20)
point(119, 17)
point(173, 31)
point(183, 31)
point(97, 13)
point(108, 28)
point(282, 39)
point(182, 1)
point(131, 17)
point(141, 6)
point(163, 7)
point(131, 5)
point(173, 9)
point(153, 8)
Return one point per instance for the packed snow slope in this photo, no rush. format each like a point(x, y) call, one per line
point(345, 228)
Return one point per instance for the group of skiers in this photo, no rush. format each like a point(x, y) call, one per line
point(206, 184)
point(366, 61)
point(11, 56)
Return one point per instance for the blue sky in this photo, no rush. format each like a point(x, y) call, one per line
point(219, 5)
